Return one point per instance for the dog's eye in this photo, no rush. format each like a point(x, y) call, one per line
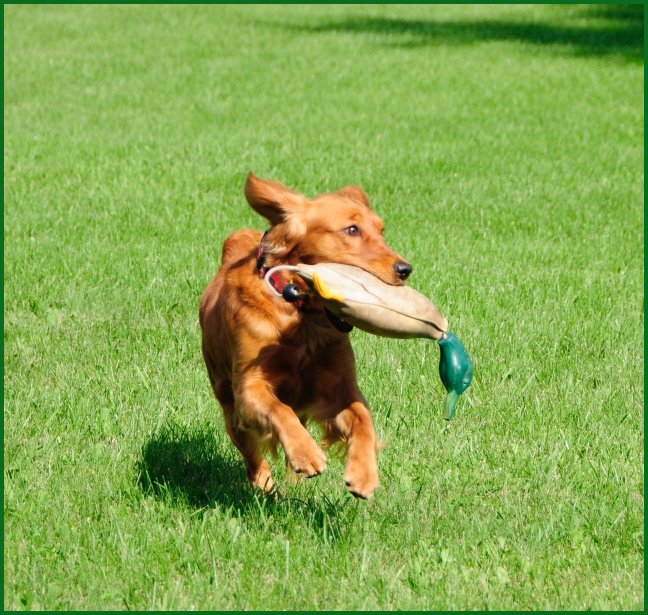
point(352, 230)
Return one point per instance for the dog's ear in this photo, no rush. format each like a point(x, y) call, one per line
point(272, 199)
point(355, 193)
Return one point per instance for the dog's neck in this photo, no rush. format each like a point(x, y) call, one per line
point(276, 279)
point(261, 265)
point(270, 255)
point(280, 284)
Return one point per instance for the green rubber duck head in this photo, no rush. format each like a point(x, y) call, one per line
point(455, 369)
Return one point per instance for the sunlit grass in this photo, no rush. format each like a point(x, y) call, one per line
point(503, 146)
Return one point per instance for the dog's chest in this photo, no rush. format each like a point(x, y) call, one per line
point(300, 368)
point(303, 369)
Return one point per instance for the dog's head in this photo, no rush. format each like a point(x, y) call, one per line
point(338, 227)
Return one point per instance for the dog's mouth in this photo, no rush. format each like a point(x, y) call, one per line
point(341, 325)
point(392, 276)
point(353, 296)
point(393, 279)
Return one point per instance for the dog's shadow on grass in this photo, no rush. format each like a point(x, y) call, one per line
point(192, 468)
point(188, 467)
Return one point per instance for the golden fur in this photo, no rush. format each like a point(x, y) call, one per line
point(274, 366)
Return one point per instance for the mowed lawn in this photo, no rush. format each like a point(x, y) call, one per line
point(503, 146)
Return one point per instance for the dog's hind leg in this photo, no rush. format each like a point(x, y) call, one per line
point(258, 469)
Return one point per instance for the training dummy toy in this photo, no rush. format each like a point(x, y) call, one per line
point(360, 299)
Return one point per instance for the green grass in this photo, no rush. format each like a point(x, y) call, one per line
point(503, 145)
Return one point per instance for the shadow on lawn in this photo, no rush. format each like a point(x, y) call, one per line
point(612, 30)
point(189, 468)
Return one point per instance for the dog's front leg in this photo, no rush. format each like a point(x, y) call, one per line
point(355, 425)
point(260, 408)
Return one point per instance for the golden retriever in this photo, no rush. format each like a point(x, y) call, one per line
point(274, 365)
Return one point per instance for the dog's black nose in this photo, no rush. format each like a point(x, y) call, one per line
point(403, 270)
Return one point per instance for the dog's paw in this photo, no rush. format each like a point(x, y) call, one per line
point(261, 478)
point(362, 481)
point(307, 458)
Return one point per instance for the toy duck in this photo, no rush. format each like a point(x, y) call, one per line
point(360, 299)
